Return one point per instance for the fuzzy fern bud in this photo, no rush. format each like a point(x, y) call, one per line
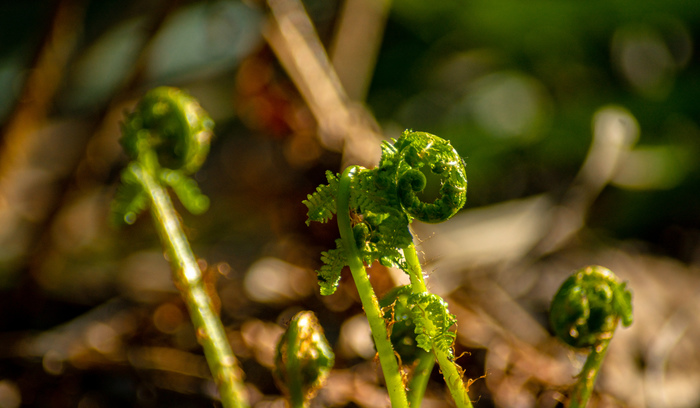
point(168, 135)
point(172, 123)
point(418, 320)
point(588, 306)
point(303, 359)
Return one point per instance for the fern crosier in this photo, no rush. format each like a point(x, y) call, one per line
point(588, 306)
point(168, 134)
point(384, 200)
point(172, 123)
point(418, 320)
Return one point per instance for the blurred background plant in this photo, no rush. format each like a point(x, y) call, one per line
point(577, 121)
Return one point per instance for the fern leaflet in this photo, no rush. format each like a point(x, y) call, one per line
point(322, 203)
point(433, 322)
point(333, 262)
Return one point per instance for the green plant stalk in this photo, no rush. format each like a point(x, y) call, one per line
point(296, 393)
point(586, 380)
point(453, 378)
point(188, 278)
point(415, 272)
point(450, 371)
point(419, 380)
point(380, 334)
point(426, 361)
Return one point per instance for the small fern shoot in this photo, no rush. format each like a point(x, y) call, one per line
point(374, 208)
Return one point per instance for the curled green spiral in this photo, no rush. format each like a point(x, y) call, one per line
point(386, 199)
point(167, 135)
point(171, 123)
point(420, 154)
point(588, 307)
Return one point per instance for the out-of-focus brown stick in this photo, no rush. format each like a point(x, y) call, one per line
point(99, 140)
point(25, 175)
point(615, 131)
point(102, 150)
point(32, 189)
point(42, 83)
point(342, 125)
point(356, 44)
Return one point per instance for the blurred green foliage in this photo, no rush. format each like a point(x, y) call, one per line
point(514, 86)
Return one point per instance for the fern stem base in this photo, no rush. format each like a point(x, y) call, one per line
point(584, 386)
point(188, 278)
point(380, 334)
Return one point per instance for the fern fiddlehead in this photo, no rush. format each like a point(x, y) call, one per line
point(167, 137)
point(384, 201)
point(422, 152)
point(168, 134)
point(171, 123)
point(303, 359)
point(584, 314)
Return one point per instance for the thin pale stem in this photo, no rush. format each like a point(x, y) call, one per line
point(380, 334)
point(449, 368)
point(415, 272)
point(453, 378)
point(584, 386)
point(188, 277)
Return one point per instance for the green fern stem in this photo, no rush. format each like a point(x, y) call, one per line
point(380, 334)
point(426, 360)
point(453, 378)
point(188, 277)
point(584, 386)
point(420, 378)
point(415, 271)
point(296, 390)
point(448, 366)
point(303, 359)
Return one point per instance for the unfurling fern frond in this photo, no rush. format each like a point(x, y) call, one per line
point(433, 322)
point(386, 199)
point(322, 203)
point(365, 197)
point(589, 305)
point(585, 313)
point(167, 135)
point(333, 262)
point(167, 139)
point(303, 359)
point(171, 123)
point(421, 154)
